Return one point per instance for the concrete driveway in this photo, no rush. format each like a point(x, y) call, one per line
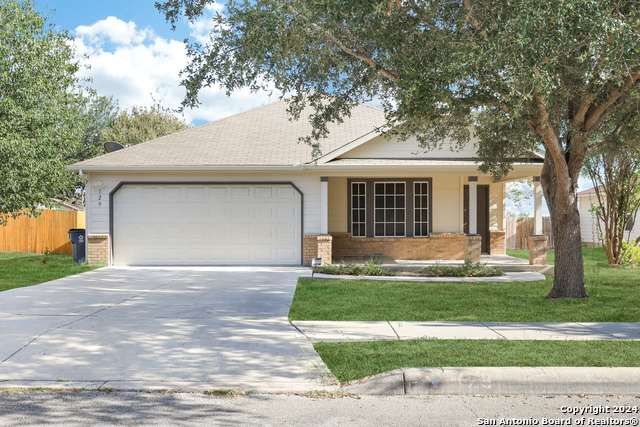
point(146, 328)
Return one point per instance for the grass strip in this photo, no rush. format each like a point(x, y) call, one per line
point(614, 296)
point(352, 360)
point(26, 269)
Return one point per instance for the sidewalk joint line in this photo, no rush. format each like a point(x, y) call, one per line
point(493, 330)
point(394, 331)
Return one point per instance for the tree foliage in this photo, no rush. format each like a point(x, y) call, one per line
point(40, 109)
point(527, 74)
point(614, 169)
point(99, 115)
point(142, 124)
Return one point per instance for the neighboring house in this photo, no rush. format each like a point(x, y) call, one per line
point(244, 190)
point(588, 226)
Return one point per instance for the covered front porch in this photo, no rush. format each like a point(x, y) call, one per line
point(418, 219)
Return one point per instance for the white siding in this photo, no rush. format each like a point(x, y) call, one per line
point(447, 210)
point(381, 148)
point(590, 233)
point(587, 231)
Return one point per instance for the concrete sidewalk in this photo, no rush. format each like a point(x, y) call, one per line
point(323, 331)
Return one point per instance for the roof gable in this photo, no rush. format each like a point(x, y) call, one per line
point(380, 147)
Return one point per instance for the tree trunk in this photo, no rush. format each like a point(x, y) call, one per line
point(560, 192)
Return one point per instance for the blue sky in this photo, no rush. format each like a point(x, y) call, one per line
point(136, 58)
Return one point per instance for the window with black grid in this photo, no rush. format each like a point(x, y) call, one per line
point(421, 209)
point(358, 210)
point(389, 205)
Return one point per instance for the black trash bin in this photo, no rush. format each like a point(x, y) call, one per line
point(78, 239)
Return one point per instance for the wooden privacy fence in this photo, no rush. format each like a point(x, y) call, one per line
point(518, 231)
point(49, 230)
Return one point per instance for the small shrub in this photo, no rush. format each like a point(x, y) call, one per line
point(630, 254)
point(469, 269)
point(369, 268)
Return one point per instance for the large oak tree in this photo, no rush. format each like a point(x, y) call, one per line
point(528, 74)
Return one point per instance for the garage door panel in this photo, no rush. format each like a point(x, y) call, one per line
point(264, 192)
point(242, 213)
point(287, 193)
point(240, 192)
point(287, 213)
point(286, 254)
point(264, 213)
point(207, 225)
point(196, 194)
point(218, 193)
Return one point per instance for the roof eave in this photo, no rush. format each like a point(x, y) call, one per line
point(181, 168)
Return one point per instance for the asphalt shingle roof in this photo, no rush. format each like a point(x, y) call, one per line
point(264, 136)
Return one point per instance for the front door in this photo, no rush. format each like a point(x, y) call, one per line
point(483, 215)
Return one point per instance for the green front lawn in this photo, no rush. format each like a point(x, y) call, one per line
point(25, 269)
point(351, 360)
point(614, 296)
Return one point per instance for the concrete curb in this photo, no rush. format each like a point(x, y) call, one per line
point(527, 276)
point(499, 380)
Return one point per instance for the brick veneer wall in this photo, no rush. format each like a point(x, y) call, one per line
point(325, 248)
point(436, 246)
point(497, 243)
point(473, 247)
point(317, 246)
point(537, 250)
point(98, 248)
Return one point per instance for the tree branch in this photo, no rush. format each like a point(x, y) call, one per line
point(361, 56)
point(604, 108)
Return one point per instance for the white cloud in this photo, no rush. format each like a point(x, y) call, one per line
point(201, 28)
point(113, 30)
point(137, 67)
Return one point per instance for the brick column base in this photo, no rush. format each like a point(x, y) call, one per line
point(497, 243)
point(317, 246)
point(538, 250)
point(325, 248)
point(98, 249)
point(473, 247)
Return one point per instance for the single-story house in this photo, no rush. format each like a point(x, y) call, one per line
point(589, 230)
point(244, 190)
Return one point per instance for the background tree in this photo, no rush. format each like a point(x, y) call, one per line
point(142, 124)
point(614, 169)
point(40, 109)
point(520, 193)
point(529, 75)
point(100, 114)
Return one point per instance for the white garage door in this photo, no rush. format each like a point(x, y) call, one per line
point(208, 224)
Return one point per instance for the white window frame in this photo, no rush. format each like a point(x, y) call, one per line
point(417, 207)
point(385, 208)
point(360, 209)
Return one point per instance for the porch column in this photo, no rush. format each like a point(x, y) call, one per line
point(537, 241)
point(537, 206)
point(324, 205)
point(473, 205)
